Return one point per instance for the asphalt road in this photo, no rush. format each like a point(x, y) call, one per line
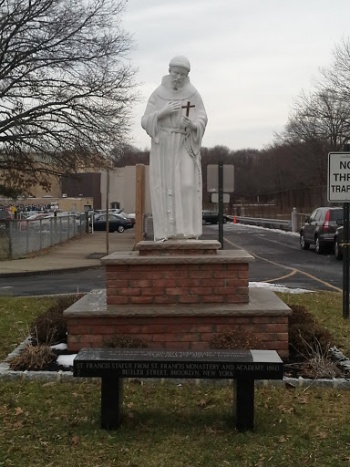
point(278, 260)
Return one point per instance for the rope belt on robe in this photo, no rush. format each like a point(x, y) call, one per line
point(188, 148)
point(172, 130)
point(193, 156)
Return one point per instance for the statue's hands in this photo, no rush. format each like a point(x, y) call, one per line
point(188, 124)
point(169, 108)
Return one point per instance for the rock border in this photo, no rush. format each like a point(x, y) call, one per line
point(290, 383)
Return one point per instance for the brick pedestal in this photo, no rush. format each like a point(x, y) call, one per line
point(177, 272)
point(178, 295)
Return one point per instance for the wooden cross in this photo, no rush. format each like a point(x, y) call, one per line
point(188, 106)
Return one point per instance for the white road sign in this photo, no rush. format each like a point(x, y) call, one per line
point(213, 175)
point(338, 189)
point(215, 198)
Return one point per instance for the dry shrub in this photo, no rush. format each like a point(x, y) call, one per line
point(316, 363)
point(51, 326)
point(320, 367)
point(300, 314)
point(309, 345)
point(306, 336)
point(33, 357)
point(233, 339)
point(124, 342)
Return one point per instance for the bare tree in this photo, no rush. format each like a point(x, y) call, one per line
point(320, 116)
point(337, 76)
point(319, 123)
point(65, 86)
point(246, 180)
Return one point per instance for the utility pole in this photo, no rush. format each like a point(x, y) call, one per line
point(346, 240)
point(107, 213)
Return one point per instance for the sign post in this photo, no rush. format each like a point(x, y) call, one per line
point(220, 180)
point(221, 203)
point(338, 191)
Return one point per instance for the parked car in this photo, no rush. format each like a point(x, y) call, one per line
point(338, 243)
point(212, 217)
point(29, 220)
point(110, 211)
point(126, 216)
point(63, 219)
point(116, 223)
point(120, 212)
point(38, 215)
point(319, 229)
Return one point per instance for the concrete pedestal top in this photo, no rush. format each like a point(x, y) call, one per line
point(262, 302)
point(162, 256)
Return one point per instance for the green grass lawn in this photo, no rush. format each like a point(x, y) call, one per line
point(58, 424)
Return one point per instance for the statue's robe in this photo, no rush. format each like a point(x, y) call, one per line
point(175, 162)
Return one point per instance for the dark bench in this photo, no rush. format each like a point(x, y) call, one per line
point(242, 366)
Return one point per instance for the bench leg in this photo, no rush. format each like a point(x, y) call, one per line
point(111, 402)
point(244, 404)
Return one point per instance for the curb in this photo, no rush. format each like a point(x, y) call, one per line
point(48, 271)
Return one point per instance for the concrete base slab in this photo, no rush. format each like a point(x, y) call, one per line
point(262, 322)
point(262, 302)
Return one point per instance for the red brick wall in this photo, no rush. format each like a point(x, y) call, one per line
point(163, 284)
point(177, 333)
point(189, 282)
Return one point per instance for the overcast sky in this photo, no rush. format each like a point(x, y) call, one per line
point(250, 58)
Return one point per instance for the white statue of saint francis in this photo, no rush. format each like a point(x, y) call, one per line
point(175, 119)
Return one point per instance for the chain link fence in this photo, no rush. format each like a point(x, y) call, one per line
point(20, 238)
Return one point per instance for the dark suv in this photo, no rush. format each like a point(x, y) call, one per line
point(212, 217)
point(338, 243)
point(320, 227)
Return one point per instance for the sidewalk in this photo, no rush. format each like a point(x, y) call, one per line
point(78, 253)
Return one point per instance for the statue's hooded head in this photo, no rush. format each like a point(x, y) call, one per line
point(180, 61)
point(179, 67)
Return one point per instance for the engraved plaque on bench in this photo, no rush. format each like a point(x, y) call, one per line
point(211, 364)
